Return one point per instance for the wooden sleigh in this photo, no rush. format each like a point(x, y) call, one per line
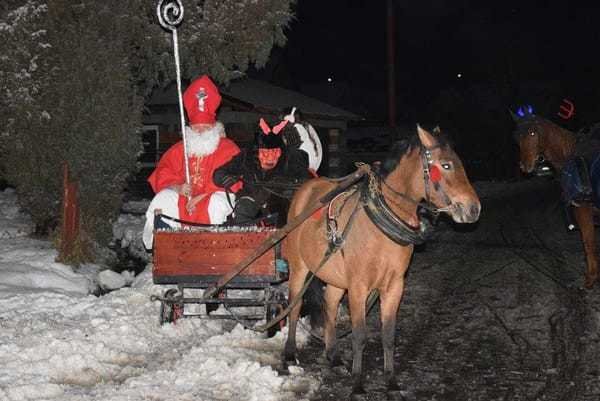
point(195, 258)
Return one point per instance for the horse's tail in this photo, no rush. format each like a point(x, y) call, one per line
point(313, 302)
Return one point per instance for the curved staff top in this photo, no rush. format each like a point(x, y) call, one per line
point(170, 15)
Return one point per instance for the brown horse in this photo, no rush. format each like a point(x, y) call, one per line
point(372, 229)
point(542, 141)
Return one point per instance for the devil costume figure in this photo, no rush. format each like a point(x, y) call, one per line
point(270, 167)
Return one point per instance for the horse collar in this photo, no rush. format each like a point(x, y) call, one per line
point(386, 220)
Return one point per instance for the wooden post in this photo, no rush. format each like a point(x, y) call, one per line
point(70, 216)
point(391, 63)
point(333, 150)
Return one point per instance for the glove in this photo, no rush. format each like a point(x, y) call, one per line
point(229, 180)
point(245, 210)
point(292, 138)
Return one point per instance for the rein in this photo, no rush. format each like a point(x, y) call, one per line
point(331, 250)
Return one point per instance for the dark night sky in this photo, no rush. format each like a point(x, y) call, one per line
point(517, 42)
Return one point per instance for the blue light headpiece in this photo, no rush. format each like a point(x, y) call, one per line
point(524, 111)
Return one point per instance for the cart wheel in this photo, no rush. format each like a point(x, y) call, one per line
point(272, 311)
point(213, 307)
point(210, 308)
point(170, 312)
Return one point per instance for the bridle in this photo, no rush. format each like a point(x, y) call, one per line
point(540, 166)
point(378, 210)
point(426, 163)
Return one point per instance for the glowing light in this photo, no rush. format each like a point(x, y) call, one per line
point(459, 75)
point(330, 80)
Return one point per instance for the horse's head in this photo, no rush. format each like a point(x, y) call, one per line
point(531, 153)
point(528, 137)
point(542, 143)
point(446, 183)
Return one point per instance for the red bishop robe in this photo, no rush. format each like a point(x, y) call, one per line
point(171, 171)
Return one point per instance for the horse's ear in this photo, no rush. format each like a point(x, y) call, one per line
point(426, 138)
point(513, 115)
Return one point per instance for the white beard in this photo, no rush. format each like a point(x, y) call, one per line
point(205, 143)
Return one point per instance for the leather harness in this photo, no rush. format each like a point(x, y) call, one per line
point(379, 212)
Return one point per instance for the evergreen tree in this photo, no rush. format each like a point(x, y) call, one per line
point(25, 75)
point(73, 76)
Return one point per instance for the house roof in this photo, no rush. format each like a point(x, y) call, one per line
point(262, 97)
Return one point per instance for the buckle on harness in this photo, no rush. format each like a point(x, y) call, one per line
point(333, 234)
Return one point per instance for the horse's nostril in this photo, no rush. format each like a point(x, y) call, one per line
point(474, 210)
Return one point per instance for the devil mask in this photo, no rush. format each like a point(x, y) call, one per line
point(269, 144)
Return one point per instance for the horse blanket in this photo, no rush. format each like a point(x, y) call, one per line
point(580, 179)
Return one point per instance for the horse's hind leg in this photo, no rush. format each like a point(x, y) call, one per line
point(584, 217)
point(333, 296)
point(357, 298)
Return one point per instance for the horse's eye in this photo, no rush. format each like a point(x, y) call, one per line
point(446, 166)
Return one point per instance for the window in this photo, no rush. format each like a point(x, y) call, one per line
point(150, 140)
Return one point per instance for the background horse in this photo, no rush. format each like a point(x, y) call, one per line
point(543, 141)
point(374, 225)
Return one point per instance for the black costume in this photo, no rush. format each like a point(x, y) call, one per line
point(252, 201)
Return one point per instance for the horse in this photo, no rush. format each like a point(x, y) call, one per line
point(542, 141)
point(364, 238)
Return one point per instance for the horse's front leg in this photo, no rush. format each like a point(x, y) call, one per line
point(389, 303)
point(333, 296)
point(584, 217)
point(357, 298)
point(295, 283)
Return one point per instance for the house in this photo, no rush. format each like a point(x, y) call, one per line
point(244, 102)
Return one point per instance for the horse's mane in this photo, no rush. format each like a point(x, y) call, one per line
point(403, 147)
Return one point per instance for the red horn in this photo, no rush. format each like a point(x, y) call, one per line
point(280, 126)
point(567, 109)
point(264, 126)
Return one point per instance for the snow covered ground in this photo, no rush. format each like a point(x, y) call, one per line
point(59, 342)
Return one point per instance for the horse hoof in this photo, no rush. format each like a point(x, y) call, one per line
point(358, 397)
point(392, 385)
point(283, 370)
point(292, 362)
point(334, 361)
point(289, 359)
point(358, 389)
point(589, 282)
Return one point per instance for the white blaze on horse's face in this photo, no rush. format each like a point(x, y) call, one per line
point(452, 191)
